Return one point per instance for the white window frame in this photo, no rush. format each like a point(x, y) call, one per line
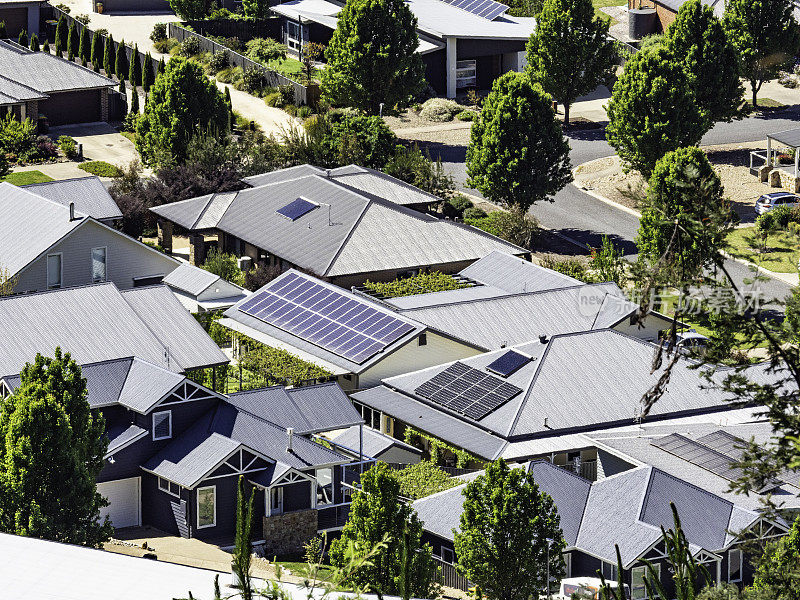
point(105, 264)
point(60, 256)
point(448, 556)
point(213, 489)
point(731, 553)
point(279, 491)
point(167, 486)
point(645, 573)
point(169, 420)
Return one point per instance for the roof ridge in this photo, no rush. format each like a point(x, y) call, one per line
point(56, 290)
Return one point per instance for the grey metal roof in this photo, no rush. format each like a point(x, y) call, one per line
point(46, 72)
point(440, 513)
point(12, 92)
point(789, 138)
point(375, 442)
point(309, 409)
point(88, 193)
point(146, 385)
point(183, 338)
point(339, 237)
point(190, 279)
point(568, 491)
point(283, 175)
point(499, 321)
point(122, 436)
point(516, 275)
point(257, 325)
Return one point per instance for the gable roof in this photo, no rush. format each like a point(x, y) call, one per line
point(374, 442)
point(12, 92)
point(97, 323)
point(339, 235)
point(90, 196)
point(516, 275)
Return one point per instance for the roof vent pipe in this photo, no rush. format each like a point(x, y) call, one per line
point(543, 338)
point(290, 435)
point(71, 211)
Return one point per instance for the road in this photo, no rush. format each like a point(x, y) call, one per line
point(585, 219)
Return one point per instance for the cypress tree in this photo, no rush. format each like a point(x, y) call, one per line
point(46, 46)
point(3, 32)
point(162, 66)
point(148, 75)
point(96, 55)
point(135, 67)
point(108, 57)
point(22, 40)
point(121, 87)
point(35, 43)
point(135, 102)
point(84, 49)
point(121, 64)
point(61, 33)
point(59, 47)
point(72, 41)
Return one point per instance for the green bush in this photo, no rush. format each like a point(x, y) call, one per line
point(304, 112)
point(460, 203)
point(18, 138)
point(231, 75)
point(224, 265)
point(440, 109)
point(265, 50)
point(159, 32)
point(474, 213)
point(435, 281)
point(68, 146)
point(570, 267)
point(100, 168)
point(254, 79)
point(190, 47)
point(166, 46)
point(274, 99)
point(466, 115)
point(514, 227)
point(290, 109)
point(423, 479)
point(219, 61)
point(358, 139)
point(287, 94)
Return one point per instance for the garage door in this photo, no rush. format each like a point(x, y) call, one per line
point(63, 108)
point(16, 20)
point(124, 496)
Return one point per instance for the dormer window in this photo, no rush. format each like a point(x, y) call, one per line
point(162, 425)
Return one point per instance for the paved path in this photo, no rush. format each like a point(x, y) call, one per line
point(273, 121)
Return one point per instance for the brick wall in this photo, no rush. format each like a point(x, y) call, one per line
point(665, 15)
point(289, 532)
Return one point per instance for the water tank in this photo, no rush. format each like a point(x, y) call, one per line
point(641, 22)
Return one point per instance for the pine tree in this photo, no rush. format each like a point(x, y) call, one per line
point(72, 41)
point(108, 57)
point(121, 88)
point(61, 33)
point(22, 40)
point(34, 46)
point(84, 49)
point(121, 62)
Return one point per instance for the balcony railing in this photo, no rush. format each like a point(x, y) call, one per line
point(449, 577)
point(332, 517)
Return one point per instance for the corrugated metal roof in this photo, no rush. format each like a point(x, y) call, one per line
point(441, 513)
point(146, 384)
point(46, 72)
point(12, 92)
point(569, 492)
point(182, 336)
point(375, 442)
point(185, 213)
point(190, 279)
point(789, 138)
point(214, 210)
point(516, 275)
point(283, 175)
point(381, 185)
point(88, 193)
point(122, 436)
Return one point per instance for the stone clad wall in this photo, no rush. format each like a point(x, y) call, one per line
point(289, 532)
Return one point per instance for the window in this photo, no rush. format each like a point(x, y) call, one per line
point(638, 575)
point(275, 501)
point(324, 486)
point(609, 571)
point(53, 271)
point(423, 339)
point(466, 74)
point(206, 506)
point(165, 485)
point(567, 564)
point(296, 34)
point(448, 555)
point(734, 565)
point(162, 425)
point(98, 265)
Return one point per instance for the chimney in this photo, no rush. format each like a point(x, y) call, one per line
point(543, 338)
point(290, 434)
point(71, 211)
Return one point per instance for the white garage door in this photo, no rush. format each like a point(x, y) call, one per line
point(124, 496)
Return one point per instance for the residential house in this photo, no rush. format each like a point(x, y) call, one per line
point(90, 196)
point(538, 391)
point(39, 83)
point(516, 301)
point(21, 14)
point(627, 511)
point(374, 444)
point(358, 341)
point(331, 229)
point(464, 45)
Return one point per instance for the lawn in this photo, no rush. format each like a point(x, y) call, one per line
point(100, 168)
point(300, 568)
point(782, 252)
point(27, 177)
point(598, 4)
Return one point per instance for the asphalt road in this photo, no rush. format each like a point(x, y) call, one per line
point(585, 219)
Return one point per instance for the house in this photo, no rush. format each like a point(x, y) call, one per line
point(201, 291)
point(90, 196)
point(627, 510)
point(516, 301)
point(538, 391)
point(358, 341)
point(51, 244)
point(21, 14)
point(99, 323)
point(375, 444)
point(323, 226)
point(39, 83)
point(464, 45)
point(176, 450)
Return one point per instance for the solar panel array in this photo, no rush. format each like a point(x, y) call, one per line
point(700, 455)
point(508, 363)
point(329, 319)
point(468, 391)
point(296, 209)
point(487, 9)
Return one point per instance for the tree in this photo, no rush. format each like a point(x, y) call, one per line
point(653, 111)
point(84, 48)
point(685, 205)
point(517, 153)
point(265, 50)
point(72, 41)
point(3, 32)
point(183, 103)
point(190, 9)
point(121, 61)
point(358, 139)
point(108, 57)
point(148, 74)
point(376, 512)
point(135, 68)
point(47, 423)
point(243, 545)
point(698, 40)
point(223, 265)
point(778, 568)
point(4, 170)
point(7, 282)
point(372, 57)
point(570, 53)
point(61, 33)
point(766, 35)
point(46, 46)
point(22, 40)
point(134, 109)
point(96, 55)
point(34, 46)
point(256, 9)
point(502, 545)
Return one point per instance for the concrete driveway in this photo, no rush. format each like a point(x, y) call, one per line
point(100, 142)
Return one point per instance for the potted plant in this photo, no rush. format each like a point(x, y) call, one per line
point(99, 7)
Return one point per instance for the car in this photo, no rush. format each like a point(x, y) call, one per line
point(767, 202)
point(585, 588)
point(691, 342)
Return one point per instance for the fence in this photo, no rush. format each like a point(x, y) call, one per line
point(624, 52)
point(332, 517)
point(244, 30)
point(448, 576)
point(302, 94)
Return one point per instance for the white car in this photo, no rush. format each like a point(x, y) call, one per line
point(767, 202)
point(585, 588)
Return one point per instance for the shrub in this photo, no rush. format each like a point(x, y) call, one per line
point(189, 47)
point(224, 265)
point(440, 109)
point(159, 32)
point(423, 479)
point(259, 276)
point(274, 99)
point(466, 115)
point(457, 205)
point(571, 267)
point(231, 75)
point(100, 168)
point(219, 61)
point(265, 50)
point(412, 165)
point(435, 281)
point(68, 146)
point(166, 46)
point(18, 138)
point(517, 228)
point(358, 139)
point(130, 121)
point(254, 79)
point(304, 112)
point(287, 94)
point(474, 213)
point(82, 18)
point(45, 147)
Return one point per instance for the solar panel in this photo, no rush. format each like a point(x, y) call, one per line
point(468, 391)
point(508, 363)
point(296, 209)
point(700, 455)
point(486, 9)
point(327, 318)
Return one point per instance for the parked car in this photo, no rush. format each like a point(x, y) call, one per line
point(767, 202)
point(691, 343)
point(585, 588)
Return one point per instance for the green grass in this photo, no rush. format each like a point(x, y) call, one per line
point(598, 4)
point(767, 104)
point(131, 135)
point(781, 255)
point(100, 168)
point(299, 568)
point(27, 178)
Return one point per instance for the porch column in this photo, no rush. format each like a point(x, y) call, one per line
point(796, 161)
point(769, 151)
point(361, 446)
point(452, 61)
point(314, 494)
point(719, 571)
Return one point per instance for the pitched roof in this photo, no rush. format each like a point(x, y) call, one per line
point(307, 409)
point(339, 235)
point(122, 436)
point(374, 442)
point(45, 72)
point(515, 275)
point(12, 92)
point(88, 193)
point(190, 279)
point(97, 323)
